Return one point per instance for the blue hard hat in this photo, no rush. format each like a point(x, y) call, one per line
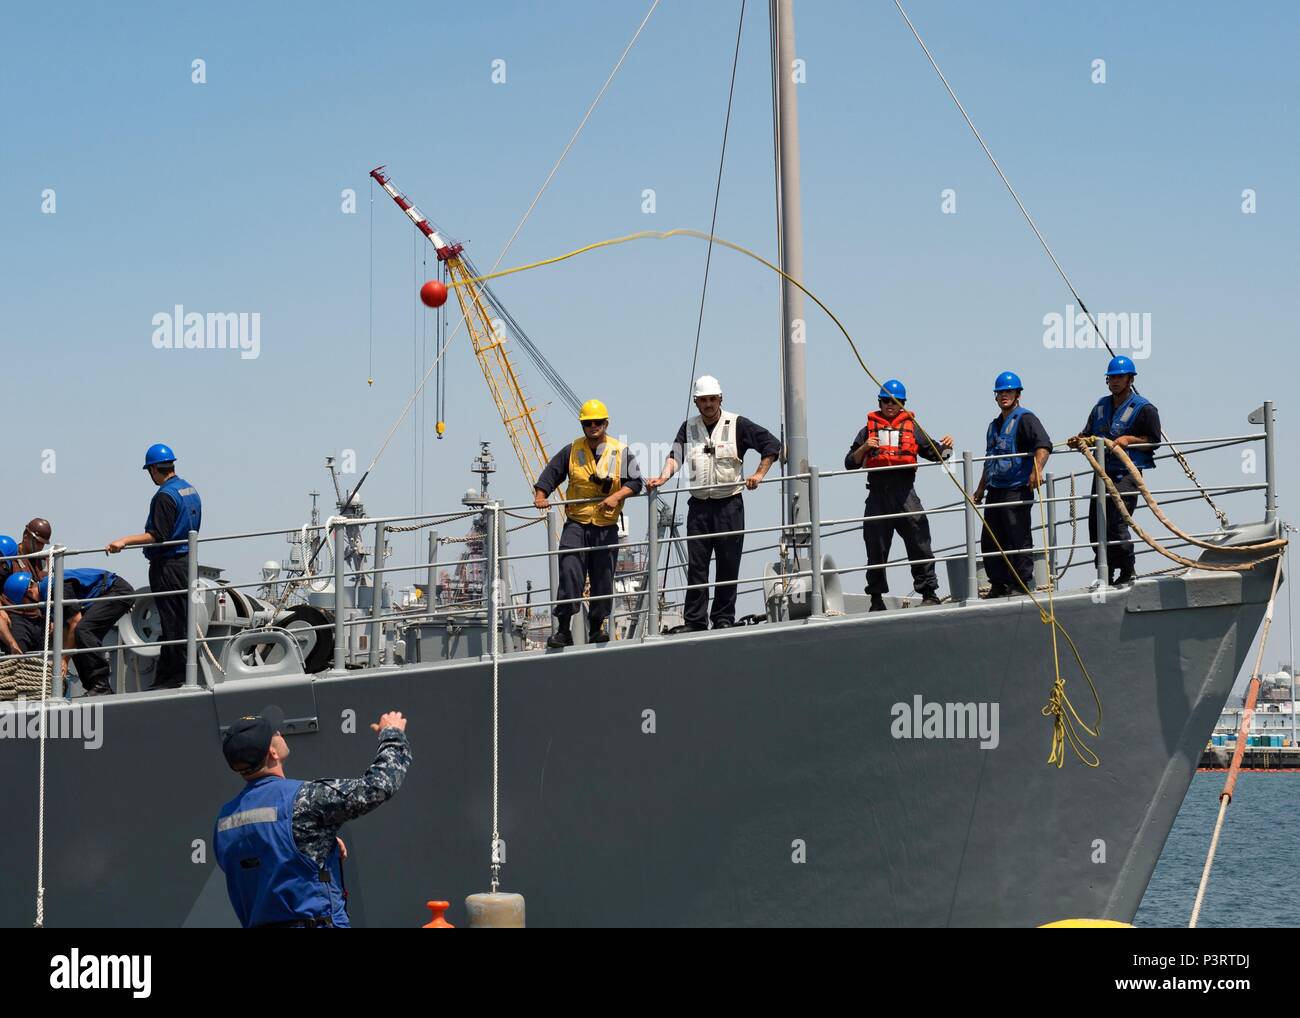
point(1120, 365)
point(16, 587)
point(893, 389)
point(43, 588)
point(8, 546)
point(1007, 380)
point(158, 453)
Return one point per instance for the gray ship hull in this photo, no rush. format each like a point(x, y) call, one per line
point(770, 743)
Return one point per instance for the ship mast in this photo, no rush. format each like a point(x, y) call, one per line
point(791, 261)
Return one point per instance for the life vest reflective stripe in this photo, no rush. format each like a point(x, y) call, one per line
point(1001, 441)
point(268, 878)
point(722, 469)
point(897, 438)
point(1110, 421)
point(594, 476)
point(189, 515)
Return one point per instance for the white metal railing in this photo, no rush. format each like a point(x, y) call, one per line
point(799, 536)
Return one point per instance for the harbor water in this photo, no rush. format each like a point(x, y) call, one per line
point(1250, 884)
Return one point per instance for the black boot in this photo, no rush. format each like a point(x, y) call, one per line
point(877, 603)
point(930, 597)
point(596, 633)
point(998, 590)
point(561, 638)
point(1125, 577)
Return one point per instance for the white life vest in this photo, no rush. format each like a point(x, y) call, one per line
point(721, 469)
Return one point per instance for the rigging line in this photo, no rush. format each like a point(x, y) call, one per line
point(528, 212)
point(1223, 517)
point(415, 339)
point(581, 124)
point(424, 396)
point(713, 223)
point(370, 370)
point(577, 131)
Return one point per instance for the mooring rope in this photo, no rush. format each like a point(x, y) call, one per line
point(1234, 769)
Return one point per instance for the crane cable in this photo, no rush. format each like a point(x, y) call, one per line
point(1187, 469)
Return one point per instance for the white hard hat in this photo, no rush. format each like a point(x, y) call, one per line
point(707, 385)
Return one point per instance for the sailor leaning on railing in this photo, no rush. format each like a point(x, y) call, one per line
point(1007, 486)
point(95, 600)
point(597, 466)
point(713, 444)
point(1129, 419)
point(174, 511)
point(892, 438)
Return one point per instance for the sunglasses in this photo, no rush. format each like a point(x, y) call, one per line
point(594, 424)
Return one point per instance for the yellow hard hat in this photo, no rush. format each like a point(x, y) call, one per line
point(593, 410)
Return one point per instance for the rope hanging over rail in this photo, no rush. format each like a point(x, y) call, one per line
point(1084, 446)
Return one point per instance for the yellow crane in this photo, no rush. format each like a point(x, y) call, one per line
point(490, 325)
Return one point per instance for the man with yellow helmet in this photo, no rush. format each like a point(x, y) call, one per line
point(601, 473)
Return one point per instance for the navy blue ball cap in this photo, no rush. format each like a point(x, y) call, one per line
point(248, 740)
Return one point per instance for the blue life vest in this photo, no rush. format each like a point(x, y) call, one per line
point(1000, 441)
point(189, 514)
point(1110, 421)
point(268, 878)
point(90, 582)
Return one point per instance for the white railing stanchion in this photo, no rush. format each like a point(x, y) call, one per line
point(552, 560)
point(651, 628)
point(377, 599)
point(192, 596)
point(1099, 483)
point(340, 631)
point(816, 603)
point(1270, 473)
point(972, 529)
point(1050, 482)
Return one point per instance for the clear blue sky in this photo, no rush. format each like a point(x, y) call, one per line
point(225, 196)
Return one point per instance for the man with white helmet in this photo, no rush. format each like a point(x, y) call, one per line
point(714, 444)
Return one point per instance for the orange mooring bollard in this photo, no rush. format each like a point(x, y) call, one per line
point(438, 922)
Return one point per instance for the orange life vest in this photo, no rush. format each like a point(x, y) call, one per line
point(897, 440)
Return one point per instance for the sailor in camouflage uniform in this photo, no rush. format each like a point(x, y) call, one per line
point(277, 841)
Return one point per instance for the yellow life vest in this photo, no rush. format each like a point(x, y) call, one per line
point(594, 477)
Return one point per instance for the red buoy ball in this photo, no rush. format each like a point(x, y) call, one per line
point(434, 293)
